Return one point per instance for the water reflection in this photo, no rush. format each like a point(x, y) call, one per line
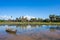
point(33, 31)
point(30, 27)
point(54, 28)
point(14, 33)
point(57, 27)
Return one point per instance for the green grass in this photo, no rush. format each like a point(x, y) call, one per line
point(42, 23)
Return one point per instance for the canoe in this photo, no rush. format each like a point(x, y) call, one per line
point(11, 30)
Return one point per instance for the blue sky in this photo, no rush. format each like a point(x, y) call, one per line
point(36, 8)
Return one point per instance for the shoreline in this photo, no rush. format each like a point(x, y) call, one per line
point(32, 23)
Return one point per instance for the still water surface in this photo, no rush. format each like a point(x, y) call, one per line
point(31, 32)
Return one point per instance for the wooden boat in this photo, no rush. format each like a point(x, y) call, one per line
point(11, 30)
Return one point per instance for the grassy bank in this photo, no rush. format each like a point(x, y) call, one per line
point(39, 23)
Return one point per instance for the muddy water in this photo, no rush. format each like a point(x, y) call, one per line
point(31, 32)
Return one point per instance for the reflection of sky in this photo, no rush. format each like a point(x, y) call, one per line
point(28, 28)
point(2, 29)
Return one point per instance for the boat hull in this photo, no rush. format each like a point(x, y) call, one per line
point(8, 30)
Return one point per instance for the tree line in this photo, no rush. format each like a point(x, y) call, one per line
point(52, 18)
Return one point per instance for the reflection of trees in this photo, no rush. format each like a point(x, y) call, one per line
point(25, 27)
point(58, 28)
point(54, 28)
point(36, 25)
point(22, 27)
point(33, 25)
point(11, 25)
point(13, 33)
point(2, 25)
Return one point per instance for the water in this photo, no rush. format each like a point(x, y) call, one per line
point(31, 32)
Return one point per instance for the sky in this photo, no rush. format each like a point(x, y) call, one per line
point(35, 8)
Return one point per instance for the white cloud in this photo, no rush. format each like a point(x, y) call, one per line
point(28, 17)
point(9, 17)
point(6, 17)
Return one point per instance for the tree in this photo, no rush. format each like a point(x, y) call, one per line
point(33, 20)
point(2, 20)
point(23, 19)
point(57, 18)
point(40, 20)
point(46, 20)
point(17, 19)
point(52, 18)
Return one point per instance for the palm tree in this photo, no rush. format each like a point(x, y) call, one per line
point(17, 19)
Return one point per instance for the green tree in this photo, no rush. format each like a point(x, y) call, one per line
point(40, 20)
point(46, 20)
point(17, 19)
point(2, 20)
point(33, 19)
point(52, 18)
